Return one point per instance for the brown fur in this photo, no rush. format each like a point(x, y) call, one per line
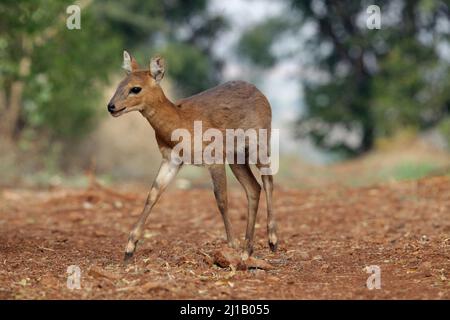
point(233, 105)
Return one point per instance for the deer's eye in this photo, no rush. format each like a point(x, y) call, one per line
point(135, 90)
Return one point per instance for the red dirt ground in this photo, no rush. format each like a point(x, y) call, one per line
point(327, 238)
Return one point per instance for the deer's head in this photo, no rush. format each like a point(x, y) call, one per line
point(139, 89)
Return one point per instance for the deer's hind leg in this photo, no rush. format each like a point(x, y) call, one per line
point(267, 179)
point(252, 188)
point(271, 224)
point(219, 179)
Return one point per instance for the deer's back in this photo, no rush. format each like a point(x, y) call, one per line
point(232, 105)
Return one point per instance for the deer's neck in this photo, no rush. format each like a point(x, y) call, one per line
point(164, 117)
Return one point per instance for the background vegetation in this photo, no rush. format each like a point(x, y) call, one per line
point(51, 76)
point(361, 87)
point(368, 82)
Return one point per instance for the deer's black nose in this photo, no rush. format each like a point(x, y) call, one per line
point(111, 107)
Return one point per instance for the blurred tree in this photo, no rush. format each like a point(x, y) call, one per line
point(51, 78)
point(50, 75)
point(183, 31)
point(256, 43)
point(367, 83)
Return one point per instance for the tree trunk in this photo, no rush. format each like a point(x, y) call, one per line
point(11, 109)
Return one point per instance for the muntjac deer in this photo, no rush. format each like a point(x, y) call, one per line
point(233, 105)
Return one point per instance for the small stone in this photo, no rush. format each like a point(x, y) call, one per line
point(87, 205)
point(118, 204)
point(424, 239)
point(226, 257)
point(98, 272)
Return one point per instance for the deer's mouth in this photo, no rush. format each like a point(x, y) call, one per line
point(116, 113)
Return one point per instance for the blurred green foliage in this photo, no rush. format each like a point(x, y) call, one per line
point(412, 171)
point(55, 77)
point(192, 69)
point(183, 31)
point(256, 43)
point(365, 82)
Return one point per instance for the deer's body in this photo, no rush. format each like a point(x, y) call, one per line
point(233, 105)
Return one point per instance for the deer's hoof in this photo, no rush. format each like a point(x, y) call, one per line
point(273, 246)
point(127, 257)
point(273, 240)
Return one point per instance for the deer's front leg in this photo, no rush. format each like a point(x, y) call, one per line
point(167, 172)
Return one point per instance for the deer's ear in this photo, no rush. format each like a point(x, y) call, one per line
point(157, 68)
point(129, 63)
